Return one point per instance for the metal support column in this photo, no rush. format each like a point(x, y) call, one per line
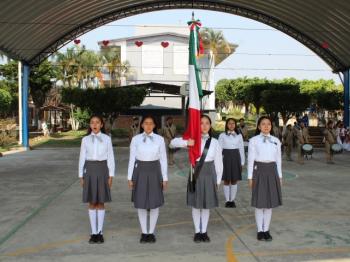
point(346, 97)
point(25, 114)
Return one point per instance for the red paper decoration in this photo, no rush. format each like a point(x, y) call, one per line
point(165, 44)
point(138, 43)
point(325, 45)
point(77, 41)
point(105, 42)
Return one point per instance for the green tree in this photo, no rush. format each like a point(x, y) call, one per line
point(5, 102)
point(108, 102)
point(284, 99)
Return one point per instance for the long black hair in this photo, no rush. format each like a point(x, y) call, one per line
point(210, 132)
point(236, 127)
point(257, 131)
point(154, 121)
point(103, 130)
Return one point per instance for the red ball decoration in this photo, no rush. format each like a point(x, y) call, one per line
point(105, 42)
point(325, 45)
point(77, 41)
point(165, 44)
point(138, 43)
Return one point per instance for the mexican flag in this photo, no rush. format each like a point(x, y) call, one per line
point(193, 130)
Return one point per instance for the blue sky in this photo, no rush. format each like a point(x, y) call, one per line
point(252, 42)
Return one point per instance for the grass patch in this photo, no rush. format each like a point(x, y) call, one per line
point(64, 139)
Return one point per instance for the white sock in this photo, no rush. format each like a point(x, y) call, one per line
point(227, 193)
point(259, 218)
point(196, 215)
point(92, 216)
point(267, 219)
point(153, 217)
point(100, 220)
point(205, 219)
point(233, 192)
point(143, 220)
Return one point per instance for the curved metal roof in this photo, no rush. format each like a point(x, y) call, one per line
point(31, 30)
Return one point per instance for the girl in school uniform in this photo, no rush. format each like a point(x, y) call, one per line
point(147, 176)
point(96, 171)
point(205, 196)
point(231, 142)
point(264, 175)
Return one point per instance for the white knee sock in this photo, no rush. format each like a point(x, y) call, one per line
point(100, 220)
point(259, 218)
point(233, 192)
point(205, 219)
point(227, 193)
point(153, 218)
point(92, 216)
point(196, 215)
point(143, 220)
point(267, 219)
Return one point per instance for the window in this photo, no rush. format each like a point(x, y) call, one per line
point(152, 59)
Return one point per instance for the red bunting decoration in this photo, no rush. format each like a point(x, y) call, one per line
point(138, 43)
point(325, 45)
point(105, 42)
point(165, 44)
point(77, 41)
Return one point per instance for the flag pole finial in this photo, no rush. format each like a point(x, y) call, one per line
point(192, 15)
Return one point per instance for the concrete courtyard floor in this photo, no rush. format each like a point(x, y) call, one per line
point(42, 217)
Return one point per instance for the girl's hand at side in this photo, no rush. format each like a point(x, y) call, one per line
point(130, 184)
point(82, 182)
point(110, 180)
point(250, 183)
point(190, 142)
point(165, 185)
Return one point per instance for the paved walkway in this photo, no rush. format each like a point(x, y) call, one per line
point(42, 217)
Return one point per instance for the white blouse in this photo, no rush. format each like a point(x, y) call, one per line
point(264, 149)
point(150, 147)
point(233, 141)
point(214, 153)
point(96, 147)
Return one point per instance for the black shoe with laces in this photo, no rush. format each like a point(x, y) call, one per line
point(151, 238)
point(233, 204)
point(267, 236)
point(144, 238)
point(93, 239)
point(228, 204)
point(205, 237)
point(261, 236)
point(197, 238)
point(99, 238)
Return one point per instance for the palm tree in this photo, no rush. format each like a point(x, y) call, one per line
point(215, 42)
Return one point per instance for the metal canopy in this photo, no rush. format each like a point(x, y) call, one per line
point(31, 30)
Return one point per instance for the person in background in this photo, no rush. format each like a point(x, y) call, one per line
point(330, 138)
point(243, 129)
point(169, 133)
point(134, 128)
point(288, 137)
point(302, 138)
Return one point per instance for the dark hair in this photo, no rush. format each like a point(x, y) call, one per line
point(241, 119)
point(154, 121)
point(168, 118)
point(226, 125)
point(210, 133)
point(329, 123)
point(257, 131)
point(103, 130)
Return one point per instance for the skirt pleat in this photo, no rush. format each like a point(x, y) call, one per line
point(266, 191)
point(232, 165)
point(148, 191)
point(96, 189)
point(205, 195)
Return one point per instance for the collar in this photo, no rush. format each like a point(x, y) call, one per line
point(98, 134)
point(233, 133)
point(263, 135)
point(149, 135)
point(206, 136)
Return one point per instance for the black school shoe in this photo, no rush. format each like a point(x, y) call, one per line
point(197, 238)
point(260, 236)
point(151, 238)
point(205, 237)
point(233, 204)
point(144, 238)
point(99, 238)
point(93, 239)
point(228, 204)
point(267, 236)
